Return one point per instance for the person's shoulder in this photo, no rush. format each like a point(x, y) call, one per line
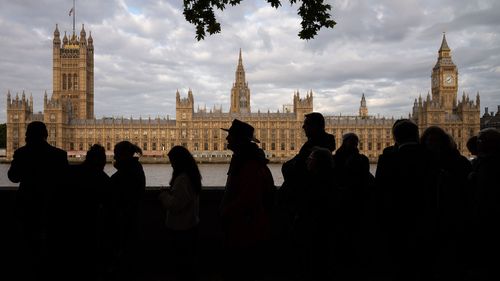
point(58, 151)
point(363, 158)
point(389, 150)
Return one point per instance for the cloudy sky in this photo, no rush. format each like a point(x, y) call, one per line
point(145, 51)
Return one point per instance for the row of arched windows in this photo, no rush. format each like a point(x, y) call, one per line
point(70, 81)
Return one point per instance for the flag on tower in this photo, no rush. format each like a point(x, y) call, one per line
point(71, 11)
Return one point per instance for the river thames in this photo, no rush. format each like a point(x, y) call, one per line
point(159, 174)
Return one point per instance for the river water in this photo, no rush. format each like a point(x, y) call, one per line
point(159, 174)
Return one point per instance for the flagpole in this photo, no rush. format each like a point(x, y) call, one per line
point(74, 12)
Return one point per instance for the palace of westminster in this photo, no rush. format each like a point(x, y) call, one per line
point(69, 114)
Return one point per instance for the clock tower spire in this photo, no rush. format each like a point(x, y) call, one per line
point(445, 78)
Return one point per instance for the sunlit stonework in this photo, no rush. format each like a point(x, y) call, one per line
point(69, 114)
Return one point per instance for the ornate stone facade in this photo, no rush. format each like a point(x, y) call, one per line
point(69, 114)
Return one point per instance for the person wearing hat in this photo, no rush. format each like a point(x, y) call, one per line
point(39, 168)
point(245, 207)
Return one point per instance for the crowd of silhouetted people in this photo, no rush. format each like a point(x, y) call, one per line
point(428, 213)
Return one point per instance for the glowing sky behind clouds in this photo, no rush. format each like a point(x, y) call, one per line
point(145, 51)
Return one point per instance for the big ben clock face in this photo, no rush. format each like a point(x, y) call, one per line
point(449, 79)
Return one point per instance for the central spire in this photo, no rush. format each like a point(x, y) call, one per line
point(240, 72)
point(240, 93)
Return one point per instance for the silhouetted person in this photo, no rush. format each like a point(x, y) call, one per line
point(315, 218)
point(354, 182)
point(89, 192)
point(407, 180)
point(182, 203)
point(451, 198)
point(295, 181)
point(127, 191)
point(486, 211)
point(245, 207)
point(39, 168)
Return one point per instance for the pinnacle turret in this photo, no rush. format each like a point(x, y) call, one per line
point(56, 32)
point(83, 35)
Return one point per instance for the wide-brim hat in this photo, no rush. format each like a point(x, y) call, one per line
point(242, 129)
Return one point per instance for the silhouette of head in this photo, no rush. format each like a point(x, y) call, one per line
point(183, 162)
point(126, 150)
point(36, 132)
point(181, 159)
point(472, 145)
point(314, 124)
point(96, 157)
point(350, 141)
point(320, 161)
point(436, 140)
point(239, 133)
point(405, 131)
point(488, 142)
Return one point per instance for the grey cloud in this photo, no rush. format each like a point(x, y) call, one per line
point(142, 59)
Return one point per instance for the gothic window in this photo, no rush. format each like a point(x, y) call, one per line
point(65, 82)
point(205, 146)
point(71, 146)
point(80, 146)
point(145, 146)
point(70, 84)
point(52, 132)
point(153, 146)
point(282, 146)
point(273, 146)
point(75, 82)
point(195, 146)
point(216, 146)
point(108, 146)
point(292, 146)
point(263, 133)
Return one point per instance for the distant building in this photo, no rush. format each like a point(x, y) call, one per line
point(69, 114)
point(459, 118)
point(490, 119)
